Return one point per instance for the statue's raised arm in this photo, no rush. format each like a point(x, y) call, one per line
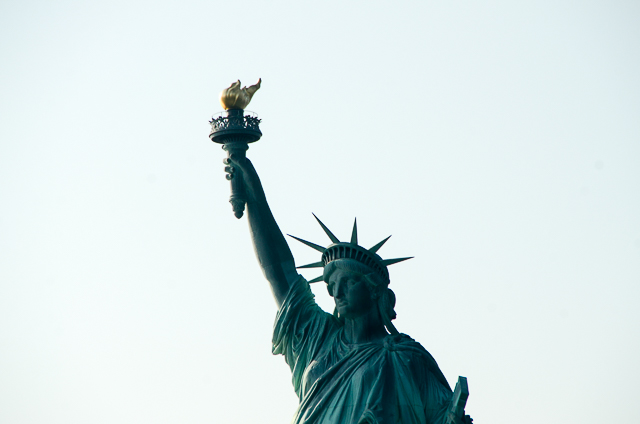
point(352, 365)
point(271, 248)
point(235, 129)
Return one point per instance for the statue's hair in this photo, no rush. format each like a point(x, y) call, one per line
point(378, 287)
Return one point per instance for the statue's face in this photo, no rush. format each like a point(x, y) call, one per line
point(350, 291)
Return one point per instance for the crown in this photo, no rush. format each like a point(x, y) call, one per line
point(351, 250)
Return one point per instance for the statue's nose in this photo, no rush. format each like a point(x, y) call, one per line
point(338, 290)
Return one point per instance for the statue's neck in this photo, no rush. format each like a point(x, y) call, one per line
point(364, 329)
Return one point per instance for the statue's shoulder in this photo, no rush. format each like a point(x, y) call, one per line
point(411, 349)
point(403, 342)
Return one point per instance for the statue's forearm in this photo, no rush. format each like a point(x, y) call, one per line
point(271, 249)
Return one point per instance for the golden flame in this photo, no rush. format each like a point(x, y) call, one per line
point(235, 97)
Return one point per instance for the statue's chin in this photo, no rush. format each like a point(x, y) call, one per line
point(347, 312)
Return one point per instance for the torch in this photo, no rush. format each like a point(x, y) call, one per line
point(235, 129)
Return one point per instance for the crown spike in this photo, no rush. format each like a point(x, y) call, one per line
point(308, 243)
point(313, 265)
point(387, 262)
point(354, 233)
point(377, 247)
point(333, 238)
point(315, 280)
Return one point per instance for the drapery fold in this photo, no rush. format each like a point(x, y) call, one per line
point(395, 381)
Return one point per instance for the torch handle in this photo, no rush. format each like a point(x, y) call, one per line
point(238, 198)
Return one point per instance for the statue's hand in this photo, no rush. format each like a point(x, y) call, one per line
point(241, 167)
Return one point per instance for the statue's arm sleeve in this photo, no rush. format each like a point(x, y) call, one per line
point(300, 330)
point(433, 388)
point(438, 399)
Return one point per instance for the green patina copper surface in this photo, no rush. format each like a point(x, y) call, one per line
point(352, 366)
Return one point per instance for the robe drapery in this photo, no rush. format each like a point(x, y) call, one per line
point(393, 381)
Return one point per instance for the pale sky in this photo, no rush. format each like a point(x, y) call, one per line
point(498, 141)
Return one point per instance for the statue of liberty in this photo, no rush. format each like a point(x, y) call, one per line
point(352, 366)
